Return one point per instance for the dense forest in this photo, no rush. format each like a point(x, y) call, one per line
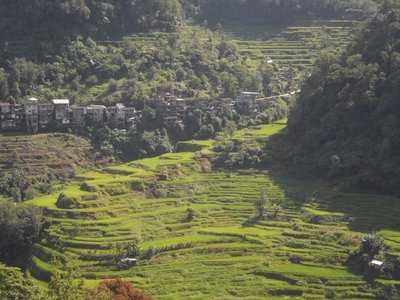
point(282, 11)
point(346, 122)
point(54, 48)
point(202, 66)
point(56, 20)
point(47, 19)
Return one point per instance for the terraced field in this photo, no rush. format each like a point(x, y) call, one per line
point(38, 153)
point(218, 251)
point(295, 46)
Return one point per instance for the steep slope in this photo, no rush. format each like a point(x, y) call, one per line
point(346, 122)
point(196, 232)
point(27, 160)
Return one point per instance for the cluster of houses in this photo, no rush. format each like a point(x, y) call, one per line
point(33, 116)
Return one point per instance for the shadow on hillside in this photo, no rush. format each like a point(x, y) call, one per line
point(363, 212)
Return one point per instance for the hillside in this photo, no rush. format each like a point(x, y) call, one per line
point(191, 223)
point(40, 159)
point(346, 123)
point(49, 21)
point(130, 51)
point(215, 191)
point(282, 12)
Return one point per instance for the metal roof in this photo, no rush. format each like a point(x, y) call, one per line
point(376, 262)
point(250, 93)
point(60, 101)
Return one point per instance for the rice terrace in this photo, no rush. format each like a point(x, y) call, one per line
point(199, 149)
point(196, 232)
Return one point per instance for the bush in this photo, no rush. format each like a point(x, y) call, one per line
point(87, 188)
point(371, 247)
point(21, 227)
point(117, 289)
point(30, 193)
point(65, 202)
point(138, 186)
point(14, 285)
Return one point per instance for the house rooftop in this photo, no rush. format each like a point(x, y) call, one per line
point(95, 106)
point(128, 260)
point(376, 262)
point(60, 101)
point(250, 93)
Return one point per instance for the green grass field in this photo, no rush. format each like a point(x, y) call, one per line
point(221, 253)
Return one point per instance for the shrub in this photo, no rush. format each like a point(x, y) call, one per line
point(138, 186)
point(371, 247)
point(30, 193)
point(87, 188)
point(116, 189)
point(45, 188)
point(117, 289)
point(330, 294)
point(21, 227)
point(66, 202)
point(14, 285)
point(190, 215)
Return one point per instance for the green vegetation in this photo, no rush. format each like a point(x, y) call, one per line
point(346, 121)
point(85, 71)
point(14, 285)
point(29, 164)
point(295, 46)
point(282, 12)
point(222, 217)
point(21, 228)
point(47, 20)
point(192, 223)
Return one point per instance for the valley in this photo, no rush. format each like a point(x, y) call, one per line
point(199, 149)
point(220, 251)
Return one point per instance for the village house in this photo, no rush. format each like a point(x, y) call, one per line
point(220, 106)
point(78, 115)
point(171, 110)
point(31, 112)
point(116, 115)
point(132, 117)
point(61, 111)
point(7, 117)
point(96, 113)
point(45, 111)
point(246, 102)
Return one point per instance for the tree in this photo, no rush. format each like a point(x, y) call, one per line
point(372, 247)
point(66, 283)
point(260, 205)
point(190, 214)
point(14, 285)
point(348, 108)
point(117, 289)
point(266, 72)
point(21, 226)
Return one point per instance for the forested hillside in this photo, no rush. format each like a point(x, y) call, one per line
point(56, 20)
point(347, 119)
point(283, 11)
point(201, 65)
point(81, 49)
point(48, 19)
